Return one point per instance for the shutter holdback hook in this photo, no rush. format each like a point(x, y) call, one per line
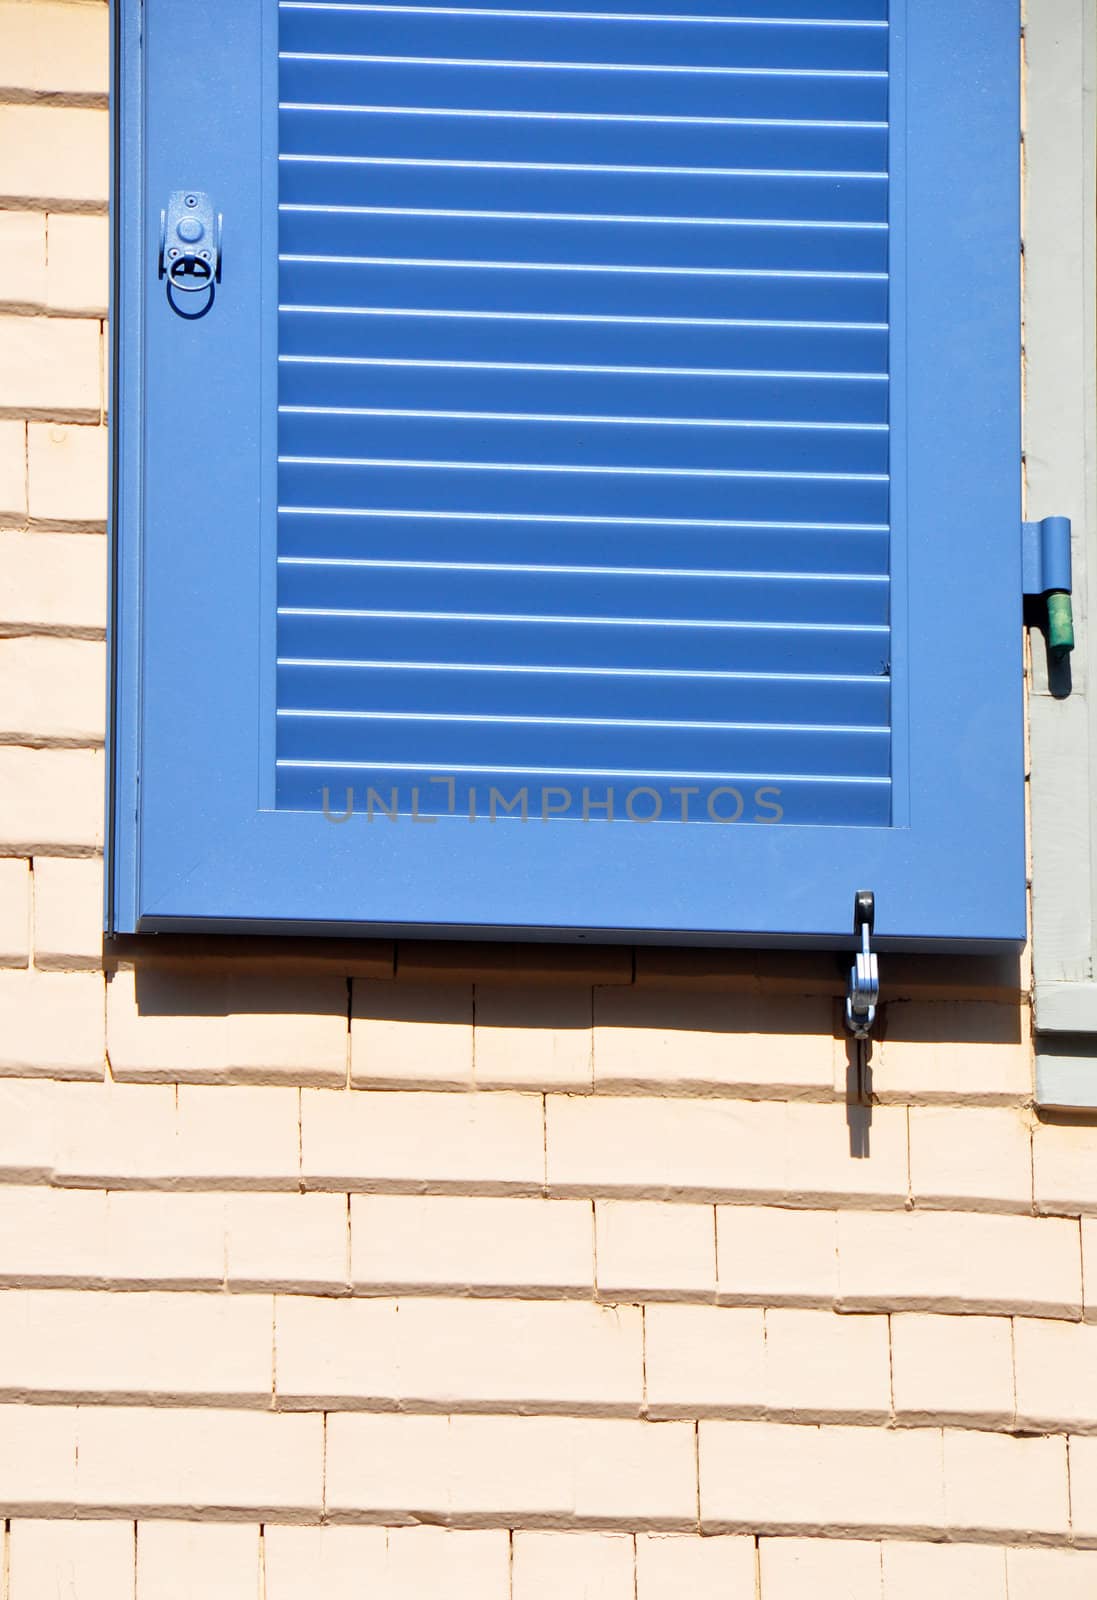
point(863, 993)
point(190, 242)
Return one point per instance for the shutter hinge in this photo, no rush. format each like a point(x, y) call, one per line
point(863, 993)
point(1045, 565)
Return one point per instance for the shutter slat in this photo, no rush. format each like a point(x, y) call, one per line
point(715, 396)
point(567, 642)
point(547, 439)
point(702, 597)
point(793, 143)
point(583, 468)
point(599, 692)
point(423, 79)
point(711, 797)
point(853, 197)
point(815, 297)
point(574, 242)
point(845, 11)
point(619, 340)
point(443, 741)
point(696, 545)
point(526, 35)
point(515, 489)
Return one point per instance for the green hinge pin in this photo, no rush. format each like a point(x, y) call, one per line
point(1060, 624)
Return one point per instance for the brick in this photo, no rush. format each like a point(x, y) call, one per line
point(454, 1469)
point(649, 1250)
point(22, 256)
point(77, 264)
point(122, 1135)
point(736, 971)
point(238, 1138)
point(460, 1244)
point(114, 1135)
point(68, 912)
point(160, 1348)
point(50, 1236)
point(180, 1026)
point(67, 470)
point(154, 1239)
point(499, 961)
point(998, 1484)
point(38, 1460)
point(423, 1561)
point(675, 1566)
point(52, 158)
point(712, 1042)
point(15, 886)
point(1064, 1163)
point(1003, 979)
point(340, 1563)
point(1089, 1267)
point(1034, 1574)
point(704, 1359)
point(980, 1159)
point(91, 1239)
point(271, 955)
point(176, 1560)
point(1083, 1486)
point(13, 457)
point(959, 1051)
point(789, 1569)
point(707, 1148)
point(53, 582)
point(952, 1369)
point(1056, 1375)
point(344, 1563)
point(776, 1257)
point(595, 1566)
point(946, 1571)
point(52, 691)
point(54, 48)
point(51, 801)
point(827, 1366)
point(927, 1261)
point(562, 1355)
point(55, 1560)
point(407, 1034)
point(48, 366)
point(533, 1036)
point(134, 1459)
point(447, 1141)
point(51, 1024)
point(28, 1129)
point(765, 1475)
point(286, 1241)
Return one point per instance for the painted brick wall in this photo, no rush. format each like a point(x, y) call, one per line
point(503, 1273)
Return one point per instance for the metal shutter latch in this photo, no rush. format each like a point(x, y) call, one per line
point(190, 242)
point(863, 993)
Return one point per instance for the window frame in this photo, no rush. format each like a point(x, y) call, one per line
point(1060, 431)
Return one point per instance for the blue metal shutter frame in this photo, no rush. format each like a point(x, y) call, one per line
point(602, 404)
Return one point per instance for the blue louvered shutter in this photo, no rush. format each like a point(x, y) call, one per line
point(589, 500)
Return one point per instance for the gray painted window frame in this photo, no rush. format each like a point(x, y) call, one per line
point(1060, 439)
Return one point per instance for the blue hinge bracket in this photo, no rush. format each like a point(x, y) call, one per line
point(1045, 565)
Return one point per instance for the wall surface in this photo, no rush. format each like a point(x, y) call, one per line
point(504, 1273)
